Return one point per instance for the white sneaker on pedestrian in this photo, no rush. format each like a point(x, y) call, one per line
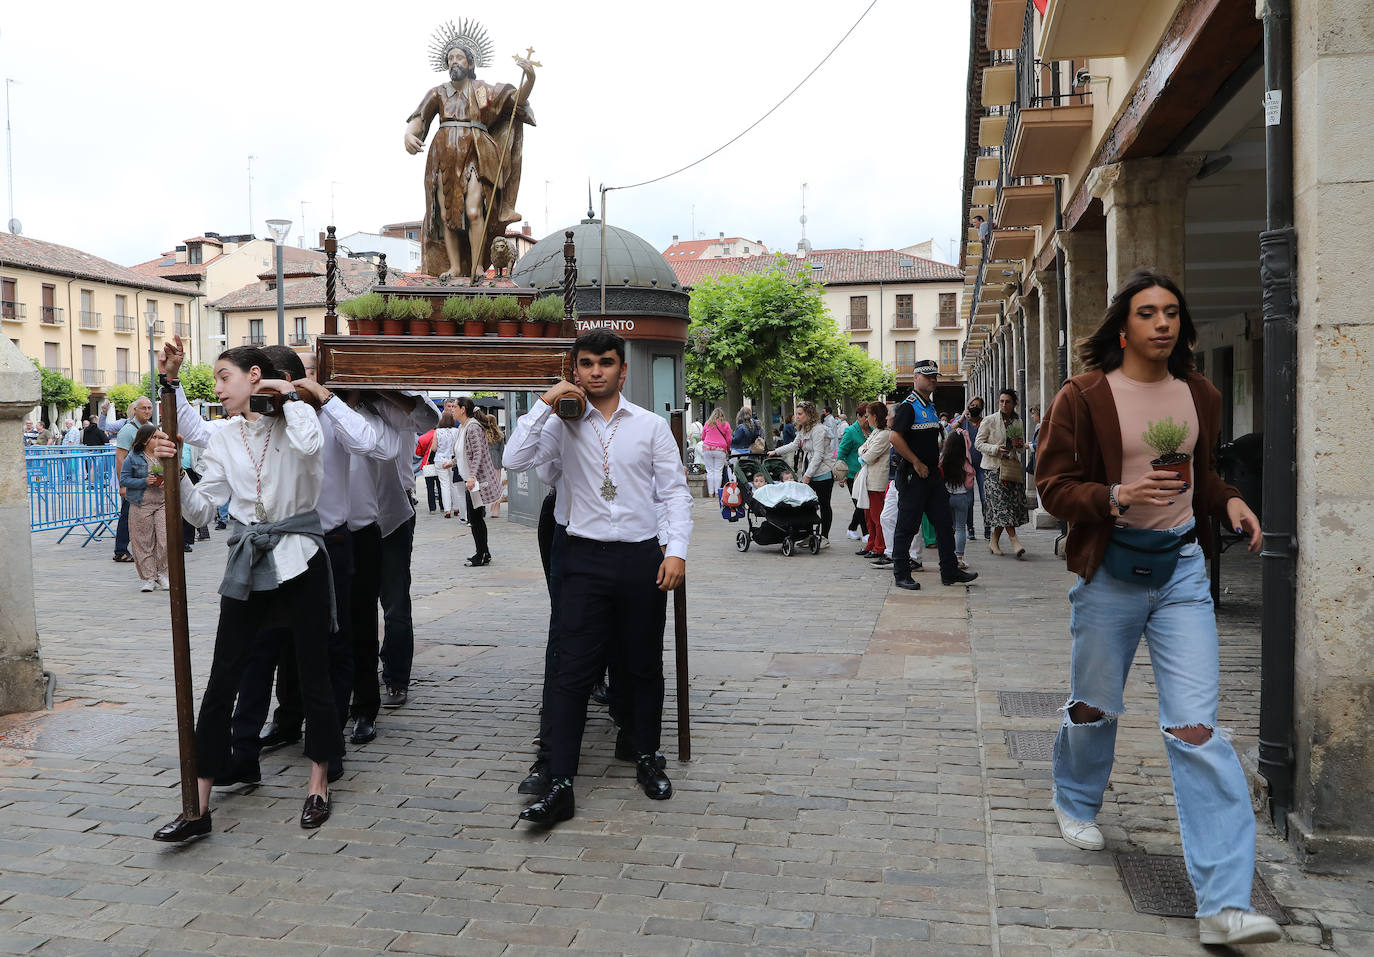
point(852, 535)
point(163, 583)
point(825, 542)
point(148, 585)
point(1236, 926)
point(1081, 834)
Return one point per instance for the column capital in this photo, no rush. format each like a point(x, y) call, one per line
point(1152, 179)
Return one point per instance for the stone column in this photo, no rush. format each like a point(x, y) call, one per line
point(1085, 266)
point(1144, 201)
point(1046, 361)
point(21, 668)
point(1333, 70)
point(1031, 305)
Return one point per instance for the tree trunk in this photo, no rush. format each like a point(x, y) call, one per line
point(734, 392)
point(766, 418)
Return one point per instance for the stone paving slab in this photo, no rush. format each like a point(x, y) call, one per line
point(850, 790)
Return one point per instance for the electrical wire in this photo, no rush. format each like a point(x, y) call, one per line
point(747, 129)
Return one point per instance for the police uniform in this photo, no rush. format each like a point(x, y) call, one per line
point(918, 423)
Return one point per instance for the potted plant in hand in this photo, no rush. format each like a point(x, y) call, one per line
point(1165, 437)
point(543, 315)
point(155, 472)
point(451, 314)
point(1016, 436)
point(363, 313)
point(482, 307)
point(506, 312)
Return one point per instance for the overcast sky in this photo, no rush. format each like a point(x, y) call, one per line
point(132, 129)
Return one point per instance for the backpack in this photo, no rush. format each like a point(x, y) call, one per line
point(730, 496)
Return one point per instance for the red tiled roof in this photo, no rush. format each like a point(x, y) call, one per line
point(167, 267)
point(66, 261)
point(838, 267)
point(205, 239)
point(693, 248)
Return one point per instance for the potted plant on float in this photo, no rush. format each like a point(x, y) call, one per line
point(482, 307)
point(543, 315)
point(506, 311)
point(460, 309)
point(395, 317)
point(417, 322)
point(363, 314)
point(1166, 437)
point(450, 315)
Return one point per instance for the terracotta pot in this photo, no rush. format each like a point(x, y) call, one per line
point(531, 329)
point(393, 327)
point(1184, 466)
point(508, 328)
point(445, 327)
point(418, 327)
point(474, 328)
point(366, 327)
point(353, 327)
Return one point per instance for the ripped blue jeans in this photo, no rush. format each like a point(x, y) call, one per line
point(1178, 621)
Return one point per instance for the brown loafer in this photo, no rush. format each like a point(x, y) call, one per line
point(315, 812)
point(176, 831)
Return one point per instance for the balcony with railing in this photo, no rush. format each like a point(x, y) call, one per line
point(93, 377)
point(1050, 117)
point(1004, 23)
point(90, 320)
point(127, 377)
point(124, 324)
point(60, 370)
point(52, 315)
point(858, 322)
point(255, 340)
point(299, 339)
point(1078, 29)
point(182, 329)
point(12, 311)
point(159, 327)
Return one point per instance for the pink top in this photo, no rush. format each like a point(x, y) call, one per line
point(716, 436)
point(1137, 405)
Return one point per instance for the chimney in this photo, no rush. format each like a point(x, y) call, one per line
point(674, 237)
point(525, 230)
point(722, 235)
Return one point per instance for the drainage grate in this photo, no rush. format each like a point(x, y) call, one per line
point(1029, 704)
point(75, 731)
point(1158, 884)
point(1031, 745)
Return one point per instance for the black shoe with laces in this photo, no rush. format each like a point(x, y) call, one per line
point(556, 805)
point(651, 778)
point(537, 782)
point(960, 577)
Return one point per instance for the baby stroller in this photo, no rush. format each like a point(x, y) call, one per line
point(786, 513)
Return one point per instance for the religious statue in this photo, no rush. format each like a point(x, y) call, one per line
point(472, 174)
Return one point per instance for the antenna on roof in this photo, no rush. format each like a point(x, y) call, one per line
point(591, 207)
point(803, 247)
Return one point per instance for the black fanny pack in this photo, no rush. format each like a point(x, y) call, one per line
point(1145, 556)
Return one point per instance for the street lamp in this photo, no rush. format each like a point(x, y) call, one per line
point(280, 229)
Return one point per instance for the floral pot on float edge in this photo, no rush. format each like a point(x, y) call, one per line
point(482, 307)
point(1166, 437)
point(417, 323)
point(395, 317)
point(544, 316)
point(363, 314)
point(457, 314)
point(506, 311)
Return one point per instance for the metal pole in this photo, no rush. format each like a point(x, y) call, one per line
point(331, 270)
point(281, 301)
point(152, 369)
point(9, 146)
point(181, 630)
point(1278, 272)
point(684, 691)
point(604, 191)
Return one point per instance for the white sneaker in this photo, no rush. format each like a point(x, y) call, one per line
point(163, 583)
point(149, 585)
point(1081, 834)
point(825, 542)
point(852, 535)
point(1236, 926)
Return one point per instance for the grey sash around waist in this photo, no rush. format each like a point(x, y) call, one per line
point(463, 124)
point(251, 566)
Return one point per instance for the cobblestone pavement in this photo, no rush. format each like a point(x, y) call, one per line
point(851, 789)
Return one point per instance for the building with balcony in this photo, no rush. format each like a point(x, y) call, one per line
point(84, 316)
point(722, 247)
point(1215, 142)
point(897, 307)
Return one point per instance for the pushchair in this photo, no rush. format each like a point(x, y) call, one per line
point(785, 513)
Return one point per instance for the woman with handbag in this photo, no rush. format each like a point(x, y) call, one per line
point(814, 440)
point(1005, 481)
point(424, 448)
point(445, 448)
point(1139, 534)
point(874, 453)
point(716, 436)
point(481, 482)
point(746, 432)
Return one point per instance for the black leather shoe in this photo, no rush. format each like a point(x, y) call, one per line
point(908, 584)
point(959, 577)
point(394, 696)
point(240, 774)
point(315, 812)
point(625, 751)
point(181, 829)
point(478, 561)
point(364, 730)
point(556, 805)
point(651, 777)
point(335, 770)
point(600, 693)
point(277, 737)
point(537, 782)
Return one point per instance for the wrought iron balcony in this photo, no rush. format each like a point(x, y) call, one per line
point(90, 320)
point(257, 340)
point(123, 323)
point(52, 315)
point(13, 311)
point(94, 377)
point(301, 339)
point(182, 329)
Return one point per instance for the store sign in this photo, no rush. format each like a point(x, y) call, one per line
point(622, 326)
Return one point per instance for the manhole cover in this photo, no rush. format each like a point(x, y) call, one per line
point(1029, 704)
point(1158, 884)
point(76, 731)
point(1031, 745)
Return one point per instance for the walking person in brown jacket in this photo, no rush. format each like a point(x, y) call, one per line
point(1138, 535)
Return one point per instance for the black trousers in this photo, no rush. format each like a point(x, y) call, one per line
point(296, 605)
point(275, 649)
point(477, 521)
point(609, 605)
point(824, 489)
point(398, 635)
point(367, 589)
point(558, 549)
point(918, 496)
point(433, 493)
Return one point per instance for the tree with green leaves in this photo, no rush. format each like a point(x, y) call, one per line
point(60, 391)
point(123, 395)
point(197, 381)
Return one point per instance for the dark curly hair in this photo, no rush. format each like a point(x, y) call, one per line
point(1102, 348)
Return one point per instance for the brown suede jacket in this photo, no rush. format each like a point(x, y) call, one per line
point(1079, 456)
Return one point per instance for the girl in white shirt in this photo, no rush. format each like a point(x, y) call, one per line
point(270, 469)
point(445, 455)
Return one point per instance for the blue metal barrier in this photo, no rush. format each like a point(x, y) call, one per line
point(72, 487)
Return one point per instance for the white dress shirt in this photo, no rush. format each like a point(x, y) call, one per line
point(191, 427)
point(292, 473)
point(375, 491)
point(346, 434)
point(644, 467)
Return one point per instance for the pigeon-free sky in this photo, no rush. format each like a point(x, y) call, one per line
point(133, 124)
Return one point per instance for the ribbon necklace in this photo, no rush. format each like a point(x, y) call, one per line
point(259, 511)
point(608, 489)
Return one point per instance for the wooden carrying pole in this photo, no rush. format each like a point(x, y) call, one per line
point(181, 629)
point(684, 720)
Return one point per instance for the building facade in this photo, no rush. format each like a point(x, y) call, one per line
point(90, 319)
point(1218, 143)
point(722, 247)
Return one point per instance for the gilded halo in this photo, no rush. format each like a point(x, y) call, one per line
point(468, 34)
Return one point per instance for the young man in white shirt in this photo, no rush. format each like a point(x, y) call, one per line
point(619, 464)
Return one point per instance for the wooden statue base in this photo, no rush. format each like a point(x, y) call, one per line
point(442, 362)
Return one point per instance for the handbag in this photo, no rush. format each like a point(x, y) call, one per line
point(1011, 470)
point(1145, 556)
point(430, 470)
point(757, 447)
point(840, 469)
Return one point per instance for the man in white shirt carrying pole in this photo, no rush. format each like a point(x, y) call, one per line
point(619, 461)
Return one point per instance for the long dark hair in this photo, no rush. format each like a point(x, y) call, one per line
point(446, 421)
point(141, 438)
point(245, 357)
point(953, 456)
point(1102, 348)
point(877, 414)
